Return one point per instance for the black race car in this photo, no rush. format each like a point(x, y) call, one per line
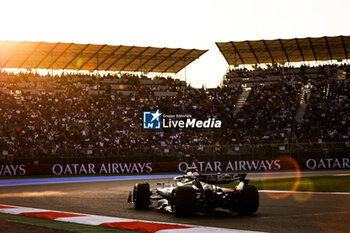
point(196, 192)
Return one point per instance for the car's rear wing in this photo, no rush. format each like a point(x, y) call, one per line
point(222, 178)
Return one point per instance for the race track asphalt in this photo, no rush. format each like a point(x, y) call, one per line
point(302, 212)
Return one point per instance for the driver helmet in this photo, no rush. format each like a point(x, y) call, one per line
point(192, 172)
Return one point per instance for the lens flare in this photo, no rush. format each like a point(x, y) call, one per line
point(287, 163)
point(308, 186)
point(79, 63)
point(46, 194)
point(33, 194)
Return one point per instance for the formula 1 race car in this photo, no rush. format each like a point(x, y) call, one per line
point(196, 192)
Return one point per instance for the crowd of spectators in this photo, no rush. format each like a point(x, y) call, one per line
point(289, 73)
point(267, 116)
point(82, 114)
point(327, 117)
point(90, 115)
point(269, 113)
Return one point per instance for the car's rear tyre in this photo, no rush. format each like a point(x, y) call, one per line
point(141, 196)
point(183, 201)
point(249, 201)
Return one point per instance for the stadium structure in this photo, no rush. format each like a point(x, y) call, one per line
point(286, 50)
point(268, 112)
point(93, 57)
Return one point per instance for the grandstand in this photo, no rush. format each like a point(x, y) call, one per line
point(267, 111)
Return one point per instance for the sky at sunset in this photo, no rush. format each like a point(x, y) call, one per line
point(175, 24)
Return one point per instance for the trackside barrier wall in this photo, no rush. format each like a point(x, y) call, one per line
point(108, 168)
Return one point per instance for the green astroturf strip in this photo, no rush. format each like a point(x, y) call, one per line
point(74, 227)
point(311, 183)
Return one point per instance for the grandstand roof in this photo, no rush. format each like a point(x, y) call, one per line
point(285, 50)
point(58, 56)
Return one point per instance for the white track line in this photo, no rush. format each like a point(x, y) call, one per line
point(20, 210)
point(286, 191)
point(204, 230)
point(94, 220)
